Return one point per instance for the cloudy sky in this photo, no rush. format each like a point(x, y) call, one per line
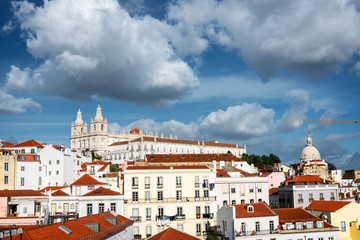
point(225, 70)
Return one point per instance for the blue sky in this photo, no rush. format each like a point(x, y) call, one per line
point(203, 69)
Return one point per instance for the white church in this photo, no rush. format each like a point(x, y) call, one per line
point(134, 145)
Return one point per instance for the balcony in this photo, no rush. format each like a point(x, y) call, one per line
point(135, 186)
point(332, 199)
point(321, 199)
point(159, 186)
point(169, 200)
point(147, 186)
point(197, 184)
point(206, 185)
point(261, 232)
point(148, 218)
point(137, 236)
point(178, 185)
point(300, 200)
point(208, 215)
point(136, 218)
point(311, 199)
point(180, 216)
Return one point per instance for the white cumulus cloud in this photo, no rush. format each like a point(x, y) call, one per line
point(10, 104)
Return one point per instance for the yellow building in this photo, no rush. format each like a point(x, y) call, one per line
point(7, 170)
point(337, 213)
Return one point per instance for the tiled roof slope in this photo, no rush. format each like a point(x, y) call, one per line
point(292, 215)
point(273, 190)
point(101, 191)
point(5, 144)
point(172, 234)
point(166, 167)
point(221, 173)
point(87, 180)
point(260, 210)
point(158, 158)
point(60, 193)
point(28, 143)
point(98, 162)
point(330, 206)
point(48, 188)
point(178, 141)
point(303, 179)
point(20, 193)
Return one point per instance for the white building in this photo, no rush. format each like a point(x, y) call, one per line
point(29, 172)
point(245, 188)
point(136, 144)
point(30, 147)
point(248, 221)
point(181, 197)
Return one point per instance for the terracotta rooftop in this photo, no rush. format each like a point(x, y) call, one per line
point(172, 234)
point(292, 215)
point(178, 141)
point(166, 167)
point(221, 173)
point(260, 210)
point(87, 180)
point(5, 144)
point(193, 158)
point(48, 188)
point(28, 143)
point(357, 180)
point(20, 193)
point(273, 190)
point(59, 193)
point(135, 131)
point(303, 179)
point(330, 206)
point(101, 191)
point(98, 162)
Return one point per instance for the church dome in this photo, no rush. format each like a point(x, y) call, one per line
point(309, 152)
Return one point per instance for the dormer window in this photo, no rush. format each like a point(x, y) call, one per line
point(319, 224)
point(299, 225)
point(250, 208)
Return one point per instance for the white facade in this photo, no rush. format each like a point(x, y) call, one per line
point(241, 190)
point(182, 197)
point(28, 173)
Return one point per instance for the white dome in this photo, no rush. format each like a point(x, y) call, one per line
point(309, 152)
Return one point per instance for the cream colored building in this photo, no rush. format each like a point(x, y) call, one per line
point(338, 213)
point(7, 171)
point(181, 197)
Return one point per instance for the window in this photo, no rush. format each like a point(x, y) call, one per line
point(40, 182)
point(206, 194)
point(178, 181)
point(309, 225)
point(321, 196)
point(160, 182)
point(148, 213)
point(160, 196)
point(135, 196)
point(22, 168)
point(343, 226)
point(260, 200)
point(271, 225)
point(259, 188)
point(257, 226)
point(299, 225)
point(49, 173)
point(22, 181)
point(233, 190)
point(233, 202)
point(197, 181)
point(135, 182)
point(49, 162)
point(57, 161)
point(319, 224)
point(224, 202)
point(251, 189)
point(178, 195)
point(6, 179)
point(311, 197)
point(242, 201)
point(6, 166)
point(113, 207)
point(147, 182)
point(57, 172)
point(135, 214)
point(160, 228)
point(148, 231)
point(224, 189)
point(89, 209)
point(22, 150)
point(197, 195)
point(160, 212)
point(243, 227)
point(147, 195)
point(40, 168)
point(242, 190)
point(250, 208)
point(101, 207)
point(207, 209)
point(198, 229)
point(179, 211)
point(32, 150)
point(136, 231)
point(251, 200)
point(198, 212)
point(331, 238)
point(180, 227)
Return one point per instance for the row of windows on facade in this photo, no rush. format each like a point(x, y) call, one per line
point(101, 208)
point(160, 213)
point(135, 182)
point(242, 201)
point(242, 188)
point(23, 150)
point(160, 195)
point(311, 196)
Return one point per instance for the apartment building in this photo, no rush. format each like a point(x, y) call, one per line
point(181, 197)
point(7, 170)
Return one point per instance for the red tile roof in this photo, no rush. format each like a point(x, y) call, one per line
point(28, 143)
point(158, 158)
point(357, 180)
point(60, 193)
point(52, 188)
point(330, 206)
point(221, 173)
point(135, 130)
point(98, 162)
point(260, 210)
point(303, 179)
point(166, 167)
point(101, 191)
point(172, 234)
point(20, 193)
point(292, 215)
point(273, 190)
point(87, 180)
point(5, 144)
point(111, 174)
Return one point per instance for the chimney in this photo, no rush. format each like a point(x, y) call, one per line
point(41, 223)
point(62, 221)
point(76, 217)
point(37, 223)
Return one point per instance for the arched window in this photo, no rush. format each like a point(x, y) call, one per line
point(94, 127)
point(81, 130)
point(102, 127)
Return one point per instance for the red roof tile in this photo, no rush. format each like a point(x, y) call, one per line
point(20, 193)
point(172, 234)
point(357, 180)
point(273, 190)
point(330, 206)
point(101, 191)
point(135, 131)
point(166, 167)
point(60, 193)
point(303, 179)
point(28, 143)
point(52, 188)
point(5, 144)
point(260, 210)
point(87, 180)
point(112, 174)
point(98, 162)
point(221, 173)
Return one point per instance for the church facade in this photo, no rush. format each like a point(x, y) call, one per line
point(134, 145)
